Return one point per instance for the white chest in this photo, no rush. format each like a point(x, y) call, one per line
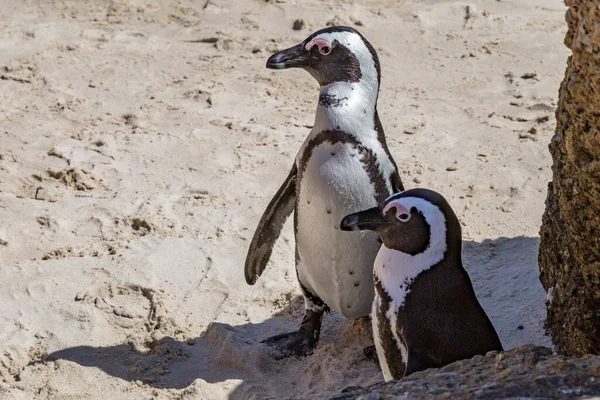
point(397, 270)
point(385, 320)
point(335, 265)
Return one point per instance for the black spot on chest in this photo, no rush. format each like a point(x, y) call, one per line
point(328, 100)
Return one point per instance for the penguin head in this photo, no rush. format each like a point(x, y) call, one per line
point(336, 54)
point(410, 222)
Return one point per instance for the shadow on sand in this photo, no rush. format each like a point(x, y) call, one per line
point(222, 352)
point(505, 277)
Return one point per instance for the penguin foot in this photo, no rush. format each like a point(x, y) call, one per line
point(371, 354)
point(297, 344)
point(302, 342)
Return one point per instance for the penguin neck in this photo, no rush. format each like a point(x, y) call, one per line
point(349, 107)
point(397, 270)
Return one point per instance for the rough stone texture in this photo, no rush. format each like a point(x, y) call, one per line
point(525, 372)
point(569, 255)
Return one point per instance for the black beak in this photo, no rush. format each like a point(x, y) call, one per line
point(370, 220)
point(294, 57)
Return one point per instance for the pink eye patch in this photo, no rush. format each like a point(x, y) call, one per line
point(320, 43)
point(400, 209)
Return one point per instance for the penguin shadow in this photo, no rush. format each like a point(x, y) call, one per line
point(224, 352)
point(505, 276)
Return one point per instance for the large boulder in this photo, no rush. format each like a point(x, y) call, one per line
point(525, 372)
point(569, 256)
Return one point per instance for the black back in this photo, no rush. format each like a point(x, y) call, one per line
point(442, 320)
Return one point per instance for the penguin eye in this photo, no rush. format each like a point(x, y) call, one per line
point(403, 217)
point(325, 50)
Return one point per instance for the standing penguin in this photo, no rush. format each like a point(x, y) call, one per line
point(425, 313)
point(343, 165)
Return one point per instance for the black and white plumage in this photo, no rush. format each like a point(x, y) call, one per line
point(425, 313)
point(343, 165)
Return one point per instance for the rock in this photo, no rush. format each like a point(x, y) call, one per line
point(525, 372)
point(569, 255)
point(338, 20)
point(298, 25)
point(62, 252)
point(141, 226)
point(356, 21)
point(542, 120)
point(133, 121)
point(77, 178)
point(529, 75)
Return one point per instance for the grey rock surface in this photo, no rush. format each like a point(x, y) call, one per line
point(530, 372)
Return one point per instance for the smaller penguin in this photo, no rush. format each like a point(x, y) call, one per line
point(425, 313)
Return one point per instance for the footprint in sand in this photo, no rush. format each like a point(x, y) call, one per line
point(136, 308)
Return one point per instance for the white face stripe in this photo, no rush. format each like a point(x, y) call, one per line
point(395, 269)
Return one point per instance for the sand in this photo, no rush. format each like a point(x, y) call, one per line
point(140, 141)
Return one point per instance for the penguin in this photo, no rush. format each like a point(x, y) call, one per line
point(343, 165)
point(425, 313)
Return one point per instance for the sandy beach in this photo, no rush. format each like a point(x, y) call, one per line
point(141, 140)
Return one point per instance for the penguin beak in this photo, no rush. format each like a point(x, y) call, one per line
point(370, 220)
point(294, 57)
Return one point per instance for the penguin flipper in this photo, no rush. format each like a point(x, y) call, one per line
point(397, 185)
point(269, 228)
point(422, 344)
point(420, 362)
